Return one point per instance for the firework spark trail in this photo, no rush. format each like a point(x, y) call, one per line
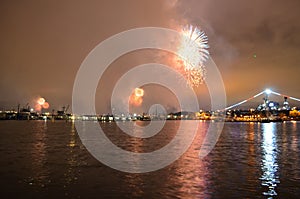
point(193, 53)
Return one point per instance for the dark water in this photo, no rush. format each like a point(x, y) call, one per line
point(251, 160)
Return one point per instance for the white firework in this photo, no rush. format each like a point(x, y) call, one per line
point(193, 51)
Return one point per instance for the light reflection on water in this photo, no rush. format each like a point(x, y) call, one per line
point(251, 160)
point(269, 165)
point(40, 172)
point(71, 174)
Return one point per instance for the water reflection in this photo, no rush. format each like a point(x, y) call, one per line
point(136, 184)
point(39, 156)
point(251, 150)
point(294, 140)
point(192, 179)
point(245, 163)
point(269, 164)
point(71, 174)
point(191, 175)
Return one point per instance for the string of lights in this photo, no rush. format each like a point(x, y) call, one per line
point(267, 92)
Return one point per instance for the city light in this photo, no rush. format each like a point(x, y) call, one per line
point(268, 91)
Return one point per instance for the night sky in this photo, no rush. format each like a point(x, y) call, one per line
point(255, 44)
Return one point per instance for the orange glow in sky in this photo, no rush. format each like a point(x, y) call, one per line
point(41, 104)
point(38, 107)
point(135, 100)
point(46, 105)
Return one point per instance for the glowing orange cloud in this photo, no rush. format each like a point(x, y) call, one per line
point(46, 105)
point(41, 104)
point(38, 107)
point(135, 100)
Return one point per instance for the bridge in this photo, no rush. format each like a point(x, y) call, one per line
point(267, 93)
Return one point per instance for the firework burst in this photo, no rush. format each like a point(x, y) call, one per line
point(136, 97)
point(193, 51)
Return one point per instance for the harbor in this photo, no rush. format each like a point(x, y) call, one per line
point(157, 99)
point(267, 111)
